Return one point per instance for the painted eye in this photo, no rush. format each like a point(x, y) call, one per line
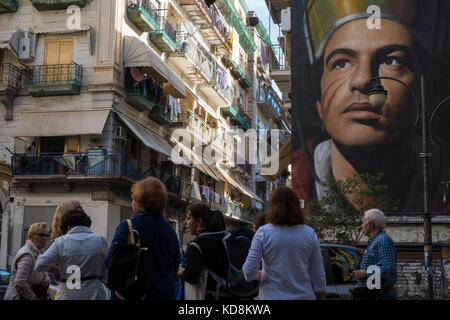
point(391, 61)
point(341, 64)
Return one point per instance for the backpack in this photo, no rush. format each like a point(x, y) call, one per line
point(127, 272)
point(237, 245)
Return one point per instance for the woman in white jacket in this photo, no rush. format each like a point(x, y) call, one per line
point(80, 254)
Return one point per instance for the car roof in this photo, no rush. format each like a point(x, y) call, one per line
point(340, 246)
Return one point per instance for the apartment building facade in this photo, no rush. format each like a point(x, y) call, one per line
point(102, 87)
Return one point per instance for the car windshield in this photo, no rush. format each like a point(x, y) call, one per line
point(343, 260)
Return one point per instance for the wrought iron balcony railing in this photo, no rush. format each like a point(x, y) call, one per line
point(56, 73)
point(57, 4)
point(8, 6)
point(93, 164)
point(144, 14)
point(54, 80)
point(167, 26)
point(11, 77)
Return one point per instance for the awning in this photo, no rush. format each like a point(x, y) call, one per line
point(242, 188)
point(147, 137)
point(62, 123)
point(139, 54)
point(176, 86)
point(10, 40)
point(190, 157)
point(282, 157)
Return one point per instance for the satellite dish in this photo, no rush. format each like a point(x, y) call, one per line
point(136, 74)
point(189, 28)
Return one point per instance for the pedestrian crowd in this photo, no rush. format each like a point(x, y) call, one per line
point(280, 259)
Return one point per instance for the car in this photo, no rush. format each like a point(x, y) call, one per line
point(339, 262)
point(4, 282)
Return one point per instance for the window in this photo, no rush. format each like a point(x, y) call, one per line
point(58, 52)
point(72, 144)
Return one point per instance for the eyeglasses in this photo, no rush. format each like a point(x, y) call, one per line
point(42, 235)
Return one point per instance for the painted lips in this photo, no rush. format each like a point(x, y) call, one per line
point(363, 111)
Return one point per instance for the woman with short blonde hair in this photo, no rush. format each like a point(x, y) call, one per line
point(25, 283)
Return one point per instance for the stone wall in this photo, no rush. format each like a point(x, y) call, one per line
point(412, 279)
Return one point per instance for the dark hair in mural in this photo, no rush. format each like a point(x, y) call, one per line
point(336, 129)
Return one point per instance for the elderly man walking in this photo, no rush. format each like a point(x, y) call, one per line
point(381, 253)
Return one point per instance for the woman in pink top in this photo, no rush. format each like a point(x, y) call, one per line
point(25, 283)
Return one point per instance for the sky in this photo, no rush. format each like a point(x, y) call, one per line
point(260, 7)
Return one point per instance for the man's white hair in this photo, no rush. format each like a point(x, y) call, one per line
point(377, 217)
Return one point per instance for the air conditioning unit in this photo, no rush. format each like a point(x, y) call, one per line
point(119, 132)
point(286, 20)
point(27, 47)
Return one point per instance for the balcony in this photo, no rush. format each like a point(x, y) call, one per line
point(195, 62)
point(139, 101)
point(196, 126)
point(55, 80)
point(92, 165)
point(158, 115)
point(8, 6)
point(233, 18)
point(267, 101)
point(236, 71)
point(11, 78)
point(212, 25)
point(144, 15)
point(57, 4)
point(280, 67)
point(165, 37)
point(236, 118)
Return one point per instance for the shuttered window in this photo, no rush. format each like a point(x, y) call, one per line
point(58, 59)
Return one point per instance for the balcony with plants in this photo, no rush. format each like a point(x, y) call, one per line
point(7, 6)
point(165, 36)
point(54, 80)
point(143, 14)
point(57, 4)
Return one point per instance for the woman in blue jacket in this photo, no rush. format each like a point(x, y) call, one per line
point(163, 254)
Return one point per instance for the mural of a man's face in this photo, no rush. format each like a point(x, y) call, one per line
point(352, 56)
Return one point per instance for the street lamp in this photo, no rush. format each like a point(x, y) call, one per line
point(377, 97)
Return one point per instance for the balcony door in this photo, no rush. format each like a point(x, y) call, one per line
point(52, 145)
point(58, 60)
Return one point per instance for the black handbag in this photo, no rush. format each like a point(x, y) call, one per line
point(127, 272)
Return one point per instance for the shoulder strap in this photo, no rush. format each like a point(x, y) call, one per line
point(197, 246)
point(130, 234)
